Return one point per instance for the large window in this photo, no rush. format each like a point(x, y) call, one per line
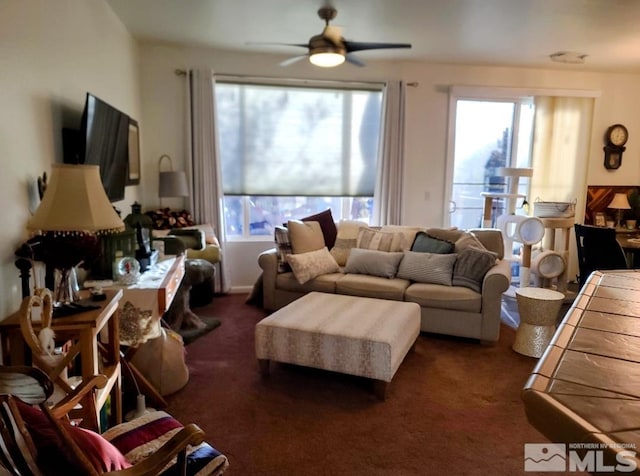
point(488, 134)
point(290, 151)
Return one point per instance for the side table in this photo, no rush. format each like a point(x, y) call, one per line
point(99, 353)
point(143, 305)
point(538, 308)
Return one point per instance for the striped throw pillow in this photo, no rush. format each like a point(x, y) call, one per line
point(431, 268)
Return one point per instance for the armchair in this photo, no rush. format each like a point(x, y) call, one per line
point(39, 440)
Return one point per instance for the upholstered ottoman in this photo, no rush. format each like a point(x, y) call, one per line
point(353, 335)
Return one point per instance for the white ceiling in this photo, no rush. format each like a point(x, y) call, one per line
point(489, 32)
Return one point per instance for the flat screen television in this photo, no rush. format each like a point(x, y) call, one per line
point(104, 141)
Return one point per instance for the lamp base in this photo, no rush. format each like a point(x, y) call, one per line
point(66, 286)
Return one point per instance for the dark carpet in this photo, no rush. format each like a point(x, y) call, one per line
point(453, 407)
point(190, 335)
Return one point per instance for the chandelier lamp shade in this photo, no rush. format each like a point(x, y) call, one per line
point(75, 202)
point(171, 183)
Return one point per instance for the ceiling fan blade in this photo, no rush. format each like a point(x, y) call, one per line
point(302, 45)
point(360, 46)
point(349, 58)
point(295, 59)
point(333, 34)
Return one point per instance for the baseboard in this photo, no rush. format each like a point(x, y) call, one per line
point(240, 289)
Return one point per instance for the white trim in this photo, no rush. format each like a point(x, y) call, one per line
point(497, 93)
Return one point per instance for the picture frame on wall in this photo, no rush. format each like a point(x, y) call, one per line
point(133, 165)
point(599, 219)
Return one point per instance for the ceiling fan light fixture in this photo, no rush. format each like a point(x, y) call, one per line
point(326, 59)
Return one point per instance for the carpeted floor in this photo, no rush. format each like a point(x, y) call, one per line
point(453, 407)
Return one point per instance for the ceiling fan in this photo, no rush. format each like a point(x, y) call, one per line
point(329, 48)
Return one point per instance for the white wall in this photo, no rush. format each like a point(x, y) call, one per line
point(427, 115)
point(51, 54)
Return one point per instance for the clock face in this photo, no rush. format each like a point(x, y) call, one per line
point(617, 135)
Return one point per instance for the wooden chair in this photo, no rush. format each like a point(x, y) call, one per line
point(38, 440)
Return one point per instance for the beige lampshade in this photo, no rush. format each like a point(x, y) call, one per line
point(620, 202)
point(75, 201)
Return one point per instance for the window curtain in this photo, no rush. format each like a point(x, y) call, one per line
point(388, 191)
point(203, 166)
point(559, 157)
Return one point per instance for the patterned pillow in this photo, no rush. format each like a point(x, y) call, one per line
point(426, 243)
point(471, 267)
point(371, 239)
point(373, 262)
point(432, 268)
point(142, 436)
point(283, 248)
point(312, 264)
point(346, 239)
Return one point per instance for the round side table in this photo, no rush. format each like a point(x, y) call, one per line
point(538, 308)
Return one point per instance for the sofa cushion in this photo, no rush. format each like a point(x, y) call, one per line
point(306, 266)
point(444, 297)
point(305, 236)
point(325, 283)
point(346, 239)
point(372, 262)
point(327, 225)
point(471, 266)
point(427, 267)
point(425, 243)
point(372, 286)
point(283, 247)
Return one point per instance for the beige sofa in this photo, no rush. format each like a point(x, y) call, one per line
point(451, 310)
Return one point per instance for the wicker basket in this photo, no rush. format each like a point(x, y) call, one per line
point(554, 209)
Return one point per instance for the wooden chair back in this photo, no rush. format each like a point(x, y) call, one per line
point(55, 366)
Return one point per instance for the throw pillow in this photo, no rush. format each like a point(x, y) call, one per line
point(373, 262)
point(191, 237)
point(471, 267)
point(327, 225)
point(100, 452)
point(306, 266)
point(346, 239)
point(432, 268)
point(404, 235)
point(426, 243)
point(141, 437)
point(468, 240)
point(371, 239)
point(283, 247)
point(305, 236)
point(447, 234)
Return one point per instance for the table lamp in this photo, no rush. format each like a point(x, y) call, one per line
point(75, 209)
point(620, 202)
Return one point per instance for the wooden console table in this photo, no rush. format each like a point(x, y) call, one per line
point(151, 295)
point(99, 352)
point(584, 389)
